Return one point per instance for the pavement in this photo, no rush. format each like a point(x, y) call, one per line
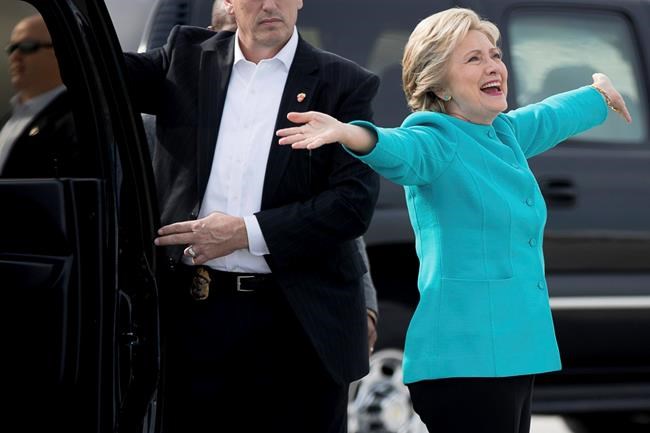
point(548, 424)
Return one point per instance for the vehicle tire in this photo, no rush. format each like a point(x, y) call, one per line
point(380, 402)
point(609, 422)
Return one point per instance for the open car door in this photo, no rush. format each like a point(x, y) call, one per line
point(77, 260)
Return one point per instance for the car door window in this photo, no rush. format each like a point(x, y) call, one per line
point(384, 59)
point(555, 51)
point(12, 13)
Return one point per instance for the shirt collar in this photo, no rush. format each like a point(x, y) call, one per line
point(38, 101)
point(285, 55)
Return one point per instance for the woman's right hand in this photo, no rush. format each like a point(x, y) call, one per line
point(316, 130)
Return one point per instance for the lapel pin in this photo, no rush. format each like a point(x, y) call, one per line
point(301, 97)
point(34, 131)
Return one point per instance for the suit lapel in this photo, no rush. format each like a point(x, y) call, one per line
point(215, 69)
point(297, 96)
point(42, 121)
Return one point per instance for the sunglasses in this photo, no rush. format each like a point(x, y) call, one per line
point(27, 47)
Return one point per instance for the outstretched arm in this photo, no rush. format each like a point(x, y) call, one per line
point(538, 127)
point(318, 129)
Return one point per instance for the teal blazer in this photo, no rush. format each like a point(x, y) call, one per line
point(478, 217)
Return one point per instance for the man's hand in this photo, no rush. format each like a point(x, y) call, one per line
point(372, 331)
point(214, 236)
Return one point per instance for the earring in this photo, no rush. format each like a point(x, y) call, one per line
point(446, 98)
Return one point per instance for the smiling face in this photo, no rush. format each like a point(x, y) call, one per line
point(264, 25)
point(477, 80)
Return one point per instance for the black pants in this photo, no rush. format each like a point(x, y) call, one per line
point(474, 405)
point(241, 362)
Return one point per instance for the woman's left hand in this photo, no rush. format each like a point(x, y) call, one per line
point(615, 100)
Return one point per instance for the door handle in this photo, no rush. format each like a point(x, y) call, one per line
point(558, 192)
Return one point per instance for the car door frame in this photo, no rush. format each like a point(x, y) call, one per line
point(110, 317)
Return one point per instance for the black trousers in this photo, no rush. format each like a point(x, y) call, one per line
point(240, 361)
point(474, 405)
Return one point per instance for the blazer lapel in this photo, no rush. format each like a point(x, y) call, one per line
point(297, 96)
point(215, 69)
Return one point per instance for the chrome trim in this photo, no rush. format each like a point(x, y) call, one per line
point(600, 303)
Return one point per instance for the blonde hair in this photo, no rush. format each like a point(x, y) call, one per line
point(428, 50)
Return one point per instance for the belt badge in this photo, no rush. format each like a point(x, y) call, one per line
point(200, 284)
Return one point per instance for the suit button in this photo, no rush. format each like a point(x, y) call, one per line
point(491, 133)
point(530, 201)
point(540, 285)
point(532, 242)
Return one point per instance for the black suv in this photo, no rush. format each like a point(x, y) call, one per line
point(77, 260)
point(79, 268)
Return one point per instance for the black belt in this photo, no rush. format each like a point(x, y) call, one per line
point(206, 279)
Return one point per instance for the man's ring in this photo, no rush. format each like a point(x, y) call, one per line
point(191, 252)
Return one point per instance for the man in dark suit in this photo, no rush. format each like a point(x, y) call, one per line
point(38, 137)
point(265, 236)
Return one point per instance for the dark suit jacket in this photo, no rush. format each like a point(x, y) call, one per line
point(314, 203)
point(48, 147)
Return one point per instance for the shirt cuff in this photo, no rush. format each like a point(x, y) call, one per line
point(256, 243)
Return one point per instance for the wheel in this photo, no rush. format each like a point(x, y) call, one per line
point(380, 402)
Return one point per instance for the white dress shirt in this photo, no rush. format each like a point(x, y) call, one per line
point(22, 114)
point(245, 134)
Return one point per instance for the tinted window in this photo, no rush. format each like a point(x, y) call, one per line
point(12, 13)
point(373, 34)
point(383, 57)
point(553, 51)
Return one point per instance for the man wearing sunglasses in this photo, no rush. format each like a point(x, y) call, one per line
point(38, 137)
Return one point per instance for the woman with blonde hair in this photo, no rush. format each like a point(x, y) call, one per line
point(483, 328)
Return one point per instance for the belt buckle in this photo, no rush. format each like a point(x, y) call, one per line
point(239, 287)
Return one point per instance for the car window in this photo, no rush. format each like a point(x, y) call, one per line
point(39, 134)
point(543, 63)
point(12, 12)
point(384, 59)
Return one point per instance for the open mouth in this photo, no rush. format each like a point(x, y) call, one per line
point(492, 88)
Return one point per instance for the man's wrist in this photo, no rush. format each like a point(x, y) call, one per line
point(242, 234)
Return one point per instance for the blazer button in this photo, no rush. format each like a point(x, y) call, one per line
point(540, 285)
point(530, 201)
point(491, 133)
point(532, 242)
